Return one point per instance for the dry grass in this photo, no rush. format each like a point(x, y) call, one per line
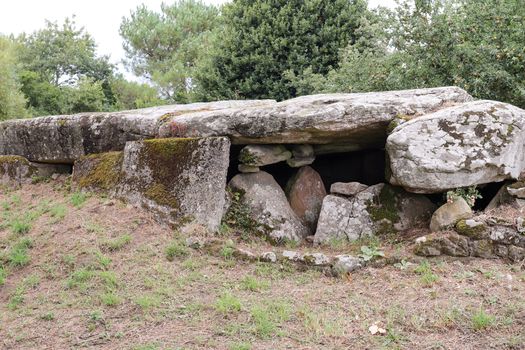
point(98, 277)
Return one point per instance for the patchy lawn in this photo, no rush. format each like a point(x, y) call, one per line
point(82, 271)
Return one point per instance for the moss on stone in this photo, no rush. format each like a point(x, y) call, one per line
point(248, 158)
point(105, 173)
point(386, 208)
point(13, 160)
point(516, 185)
point(10, 166)
point(474, 232)
point(158, 193)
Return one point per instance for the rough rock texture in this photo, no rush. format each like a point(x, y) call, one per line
point(344, 264)
point(483, 236)
point(449, 214)
point(305, 192)
point(378, 209)
point(301, 155)
point(517, 190)
point(17, 170)
point(347, 188)
point(182, 180)
point(98, 172)
point(260, 155)
point(64, 139)
point(351, 121)
point(269, 206)
point(473, 143)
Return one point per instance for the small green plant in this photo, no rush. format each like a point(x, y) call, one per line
point(78, 199)
point(427, 276)
point(176, 249)
point(3, 275)
point(48, 316)
point(240, 346)
point(482, 320)
point(147, 302)
point(239, 216)
point(227, 250)
point(19, 226)
point(369, 253)
point(115, 243)
point(17, 298)
point(79, 278)
point(102, 260)
point(251, 283)
point(58, 212)
point(110, 299)
point(18, 257)
point(228, 303)
point(402, 265)
point(469, 194)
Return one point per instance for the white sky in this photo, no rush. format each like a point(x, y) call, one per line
point(101, 18)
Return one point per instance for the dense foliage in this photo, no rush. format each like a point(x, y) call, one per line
point(276, 49)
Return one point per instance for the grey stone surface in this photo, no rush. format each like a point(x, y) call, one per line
point(305, 192)
point(449, 214)
point(269, 206)
point(243, 168)
point(347, 188)
point(17, 170)
point(302, 155)
point(64, 139)
point(378, 209)
point(344, 264)
point(316, 259)
point(353, 120)
point(181, 180)
point(469, 144)
point(260, 155)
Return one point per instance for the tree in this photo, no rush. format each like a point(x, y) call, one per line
point(61, 71)
point(12, 100)
point(165, 47)
point(263, 39)
point(474, 44)
point(132, 95)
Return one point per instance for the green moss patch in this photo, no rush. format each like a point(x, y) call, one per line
point(474, 232)
point(105, 170)
point(160, 195)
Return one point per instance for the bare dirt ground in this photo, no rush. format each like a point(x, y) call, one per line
point(87, 272)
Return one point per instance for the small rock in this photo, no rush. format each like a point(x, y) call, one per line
point(344, 264)
point(292, 256)
point(347, 188)
point(269, 257)
point(520, 225)
point(422, 239)
point(472, 228)
point(243, 168)
point(449, 214)
point(260, 155)
point(316, 259)
point(244, 254)
point(299, 162)
point(310, 239)
point(483, 249)
point(517, 190)
point(303, 151)
point(194, 242)
point(516, 254)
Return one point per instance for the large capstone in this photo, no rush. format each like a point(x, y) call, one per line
point(269, 207)
point(469, 144)
point(64, 139)
point(181, 180)
point(378, 209)
point(346, 122)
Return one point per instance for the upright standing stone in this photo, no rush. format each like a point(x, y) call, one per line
point(182, 180)
point(305, 192)
point(269, 207)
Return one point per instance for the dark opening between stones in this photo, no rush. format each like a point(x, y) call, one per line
point(367, 167)
point(487, 191)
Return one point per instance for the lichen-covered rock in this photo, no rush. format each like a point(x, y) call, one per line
point(305, 192)
point(260, 155)
point(347, 188)
point(516, 254)
point(472, 228)
point(517, 190)
point(449, 214)
point(450, 244)
point(483, 248)
point(344, 264)
point(378, 209)
point(316, 259)
point(469, 144)
point(98, 172)
point(182, 180)
point(64, 139)
point(350, 121)
point(269, 207)
point(506, 234)
point(17, 170)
